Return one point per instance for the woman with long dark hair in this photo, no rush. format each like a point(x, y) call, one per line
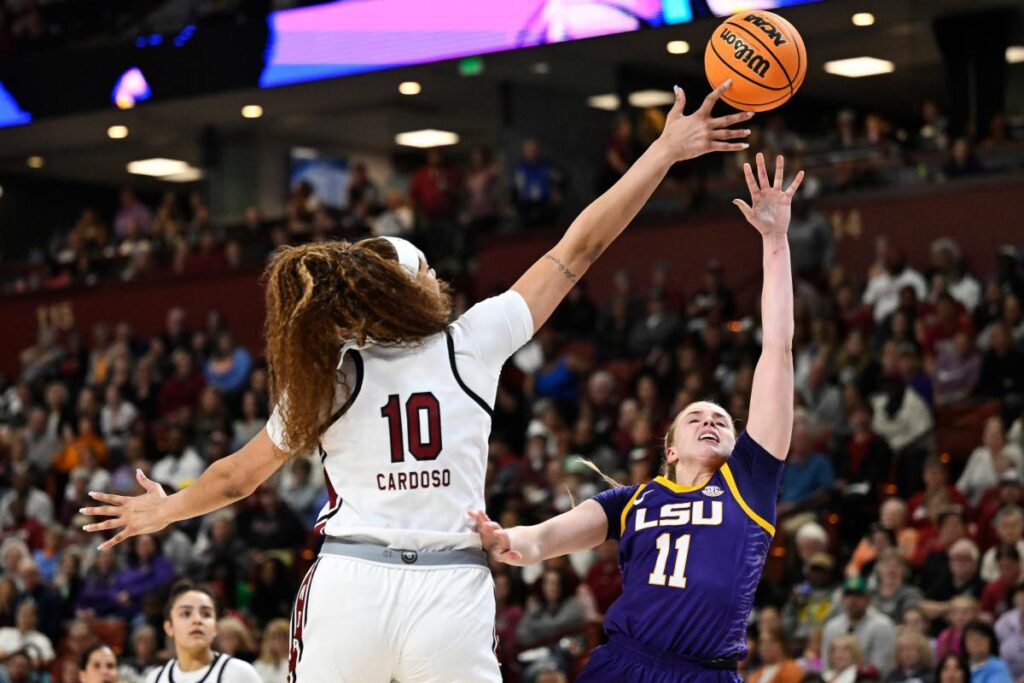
point(369, 373)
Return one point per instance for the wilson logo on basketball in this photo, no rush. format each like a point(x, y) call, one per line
point(773, 33)
point(743, 52)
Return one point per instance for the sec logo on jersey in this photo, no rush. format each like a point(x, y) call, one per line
point(712, 491)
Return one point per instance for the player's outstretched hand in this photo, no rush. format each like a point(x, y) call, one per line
point(133, 515)
point(699, 133)
point(771, 204)
point(496, 541)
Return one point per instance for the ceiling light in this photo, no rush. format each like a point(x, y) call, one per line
point(410, 88)
point(1, 191)
point(863, 19)
point(35, 161)
point(252, 111)
point(858, 67)
point(541, 68)
point(117, 132)
point(1015, 54)
point(608, 102)
point(677, 47)
point(651, 98)
point(189, 175)
point(425, 139)
point(158, 167)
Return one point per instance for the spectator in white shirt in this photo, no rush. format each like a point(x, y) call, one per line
point(988, 461)
point(116, 418)
point(883, 290)
point(25, 636)
point(272, 665)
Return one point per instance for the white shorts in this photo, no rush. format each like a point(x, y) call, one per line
point(357, 621)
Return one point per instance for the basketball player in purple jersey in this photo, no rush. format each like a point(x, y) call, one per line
point(692, 542)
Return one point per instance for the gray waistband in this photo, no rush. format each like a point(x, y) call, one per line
point(419, 558)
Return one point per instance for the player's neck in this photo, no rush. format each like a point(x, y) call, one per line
point(193, 661)
point(695, 474)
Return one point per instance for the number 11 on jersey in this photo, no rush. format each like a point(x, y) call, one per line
point(664, 545)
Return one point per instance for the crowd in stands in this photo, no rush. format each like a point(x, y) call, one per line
point(898, 552)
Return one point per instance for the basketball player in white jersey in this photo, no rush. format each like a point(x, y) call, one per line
point(369, 373)
point(190, 621)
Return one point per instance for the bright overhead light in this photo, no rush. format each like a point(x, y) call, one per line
point(425, 139)
point(35, 161)
point(158, 167)
point(863, 19)
point(541, 68)
point(858, 67)
point(117, 132)
point(410, 88)
point(190, 175)
point(252, 111)
point(1015, 54)
point(677, 47)
point(608, 102)
point(651, 98)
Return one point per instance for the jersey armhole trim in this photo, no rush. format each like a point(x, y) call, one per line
point(758, 519)
point(625, 510)
point(458, 378)
point(227, 660)
point(357, 359)
point(162, 669)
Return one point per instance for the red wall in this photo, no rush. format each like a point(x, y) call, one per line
point(980, 217)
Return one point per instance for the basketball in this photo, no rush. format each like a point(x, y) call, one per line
point(763, 55)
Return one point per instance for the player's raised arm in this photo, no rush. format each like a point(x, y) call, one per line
point(224, 482)
point(771, 401)
point(547, 282)
point(581, 528)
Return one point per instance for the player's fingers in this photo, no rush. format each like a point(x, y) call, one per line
point(730, 133)
point(145, 482)
point(727, 146)
point(107, 498)
point(795, 185)
point(744, 208)
point(116, 523)
point(677, 107)
point(731, 119)
point(748, 174)
point(778, 172)
point(762, 172)
point(124, 535)
point(714, 96)
point(513, 555)
point(102, 511)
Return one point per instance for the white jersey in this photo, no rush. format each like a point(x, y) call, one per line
point(223, 669)
point(405, 458)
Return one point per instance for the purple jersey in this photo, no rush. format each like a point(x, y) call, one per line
point(691, 557)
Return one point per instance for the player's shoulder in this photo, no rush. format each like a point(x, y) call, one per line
point(239, 671)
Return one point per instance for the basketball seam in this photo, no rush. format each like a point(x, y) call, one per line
point(789, 28)
point(728, 66)
point(785, 71)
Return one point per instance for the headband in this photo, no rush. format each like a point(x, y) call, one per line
point(408, 255)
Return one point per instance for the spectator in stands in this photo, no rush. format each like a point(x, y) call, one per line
point(434, 193)
point(252, 419)
point(947, 263)
point(982, 649)
point(1010, 630)
point(300, 492)
point(130, 211)
point(988, 461)
point(552, 612)
point(822, 400)
point(1008, 493)
point(145, 656)
point(25, 636)
point(915, 662)
point(619, 153)
point(933, 134)
point(1009, 527)
point(883, 289)
point(536, 187)
point(874, 632)
point(957, 370)
point(176, 334)
point(995, 599)
point(42, 446)
point(180, 463)
point(273, 590)
point(19, 668)
point(812, 244)
point(272, 664)
point(481, 212)
point(903, 419)
point(397, 219)
point(962, 610)
point(40, 361)
point(234, 639)
point(116, 418)
point(843, 657)
point(148, 572)
point(659, 328)
point(808, 478)
point(862, 465)
point(892, 595)
point(36, 504)
point(269, 524)
point(813, 601)
point(776, 664)
point(8, 599)
point(962, 160)
point(1002, 367)
point(947, 574)
point(229, 367)
point(180, 392)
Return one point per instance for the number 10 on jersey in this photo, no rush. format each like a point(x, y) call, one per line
point(422, 426)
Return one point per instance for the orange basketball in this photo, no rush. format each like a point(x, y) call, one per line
point(763, 55)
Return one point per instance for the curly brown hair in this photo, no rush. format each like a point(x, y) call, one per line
point(320, 296)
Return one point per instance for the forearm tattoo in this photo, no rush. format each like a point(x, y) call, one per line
point(562, 269)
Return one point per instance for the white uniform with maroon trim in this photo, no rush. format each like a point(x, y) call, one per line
point(404, 461)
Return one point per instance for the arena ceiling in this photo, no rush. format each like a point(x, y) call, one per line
point(363, 113)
